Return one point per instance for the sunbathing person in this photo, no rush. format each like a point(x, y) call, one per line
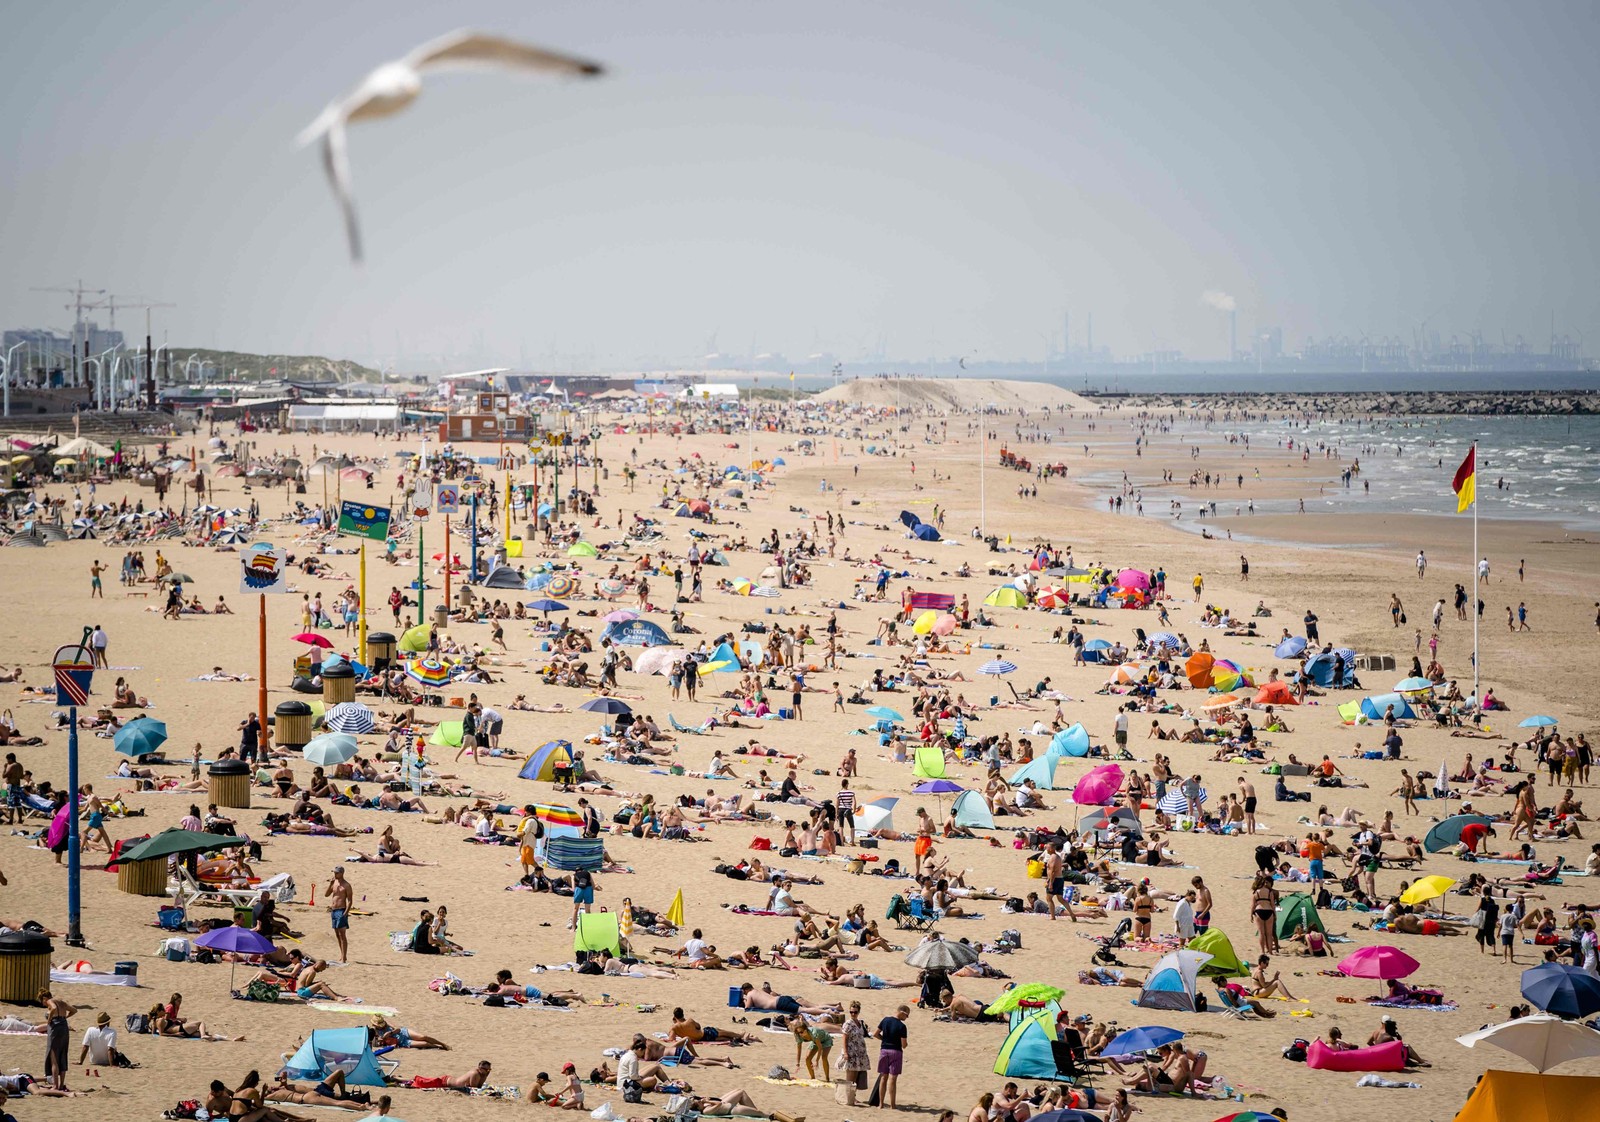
point(765, 1000)
point(477, 1077)
point(329, 1091)
point(1237, 995)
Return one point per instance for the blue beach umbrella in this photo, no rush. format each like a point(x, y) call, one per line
point(1141, 1039)
point(330, 749)
point(1413, 685)
point(883, 713)
point(605, 705)
point(1563, 990)
point(1097, 645)
point(1292, 647)
point(547, 606)
point(1536, 722)
point(997, 667)
point(141, 737)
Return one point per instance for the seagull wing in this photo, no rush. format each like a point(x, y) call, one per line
point(479, 49)
point(336, 161)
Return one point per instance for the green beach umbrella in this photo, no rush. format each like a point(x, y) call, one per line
point(169, 842)
point(1034, 993)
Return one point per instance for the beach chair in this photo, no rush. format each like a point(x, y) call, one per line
point(677, 727)
point(187, 892)
point(1234, 1009)
point(914, 916)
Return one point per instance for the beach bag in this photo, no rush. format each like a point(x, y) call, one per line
point(760, 843)
point(139, 1023)
point(1297, 1051)
point(262, 991)
point(170, 919)
point(1035, 869)
point(632, 1091)
point(175, 950)
point(844, 1092)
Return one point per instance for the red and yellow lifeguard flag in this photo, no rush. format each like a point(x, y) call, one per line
point(1465, 484)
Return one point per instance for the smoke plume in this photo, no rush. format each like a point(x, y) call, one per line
point(1221, 301)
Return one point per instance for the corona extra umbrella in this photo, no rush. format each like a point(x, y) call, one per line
point(140, 737)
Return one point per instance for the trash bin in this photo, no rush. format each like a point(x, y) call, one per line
point(143, 878)
point(291, 724)
point(381, 647)
point(230, 783)
point(338, 684)
point(441, 617)
point(24, 966)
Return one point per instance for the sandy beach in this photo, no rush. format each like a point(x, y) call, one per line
point(1345, 573)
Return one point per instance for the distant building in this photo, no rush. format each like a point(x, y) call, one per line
point(1269, 344)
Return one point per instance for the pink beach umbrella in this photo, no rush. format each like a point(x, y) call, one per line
point(1134, 578)
point(1382, 963)
point(945, 624)
point(1099, 787)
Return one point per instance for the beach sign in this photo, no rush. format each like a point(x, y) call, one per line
point(74, 670)
point(263, 568)
point(421, 498)
point(447, 498)
point(363, 520)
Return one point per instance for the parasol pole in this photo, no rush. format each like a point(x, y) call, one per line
point(472, 525)
point(361, 608)
point(74, 889)
point(261, 675)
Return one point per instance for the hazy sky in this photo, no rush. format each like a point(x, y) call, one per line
point(800, 178)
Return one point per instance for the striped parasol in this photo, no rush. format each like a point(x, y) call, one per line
point(561, 585)
point(997, 667)
point(611, 588)
point(349, 717)
point(554, 815)
point(428, 671)
point(1176, 802)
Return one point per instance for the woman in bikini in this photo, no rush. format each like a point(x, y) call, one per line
point(1263, 907)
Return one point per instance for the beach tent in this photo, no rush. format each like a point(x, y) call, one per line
point(596, 932)
point(348, 1049)
point(751, 653)
point(1224, 963)
point(1007, 597)
point(636, 633)
point(1070, 741)
point(972, 812)
point(542, 764)
point(924, 532)
point(572, 854)
point(1033, 1009)
point(447, 735)
point(1276, 693)
point(1373, 708)
point(876, 815)
point(1040, 769)
point(1173, 980)
point(682, 511)
point(504, 577)
point(726, 655)
point(1297, 908)
point(929, 761)
point(1525, 1096)
point(1027, 1051)
point(1324, 667)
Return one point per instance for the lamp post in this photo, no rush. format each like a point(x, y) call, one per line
point(9, 353)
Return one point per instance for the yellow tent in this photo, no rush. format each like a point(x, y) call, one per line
point(1524, 1096)
point(1006, 597)
point(929, 762)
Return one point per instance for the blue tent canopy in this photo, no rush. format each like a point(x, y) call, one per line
point(1040, 769)
point(725, 653)
point(1071, 741)
point(1324, 667)
point(972, 812)
point(326, 1049)
point(1373, 708)
point(1026, 1053)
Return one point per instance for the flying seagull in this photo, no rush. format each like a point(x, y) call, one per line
point(395, 85)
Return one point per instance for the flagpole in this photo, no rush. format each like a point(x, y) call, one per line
point(1477, 616)
point(361, 608)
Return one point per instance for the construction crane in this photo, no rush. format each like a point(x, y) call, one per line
point(77, 292)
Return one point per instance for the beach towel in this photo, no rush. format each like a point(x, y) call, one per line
point(359, 1010)
point(90, 978)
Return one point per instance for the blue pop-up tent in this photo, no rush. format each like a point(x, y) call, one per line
point(345, 1048)
point(1040, 769)
point(1325, 667)
point(1373, 708)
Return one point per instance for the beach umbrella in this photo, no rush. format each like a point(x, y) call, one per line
point(311, 638)
point(1166, 639)
point(940, 954)
point(713, 666)
point(876, 815)
point(447, 734)
point(1099, 786)
point(1128, 674)
point(605, 705)
point(1029, 993)
point(1225, 675)
point(547, 606)
point(1413, 685)
point(1379, 962)
point(582, 549)
point(675, 909)
point(1097, 645)
point(330, 748)
point(236, 940)
point(611, 588)
point(349, 717)
point(561, 585)
point(1426, 888)
point(1106, 819)
point(1563, 990)
point(415, 640)
point(181, 578)
point(1292, 647)
point(1447, 833)
point(923, 625)
point(882, 713)
point(428, 671)
point(997, 667)
point(938, 788)
point(1143, 1039)
point(1050, 596)
point(620, 615)
point(1198, 669)
point(170, 842)
point(1070, 741)
point(1223, 701)
point(141, 737)
point(1538, 721)
point(552, 814)
point(1176, 802)
point(1543, 1040)
point(656, 660)
point(1134, 578)
point(537, 581)
point(945, 624)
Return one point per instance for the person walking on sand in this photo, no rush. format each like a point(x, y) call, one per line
point(892, 1036)
point(1247, 791)
point(1422, 564)
point(340, 895)
point(94, 580)
point(1199, 583)
point(1397, 611)
point(1522, 616)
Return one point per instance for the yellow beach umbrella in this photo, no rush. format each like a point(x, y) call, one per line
point(675, 910)
point(924, 623)
point(712, 667)
point(1426, 888)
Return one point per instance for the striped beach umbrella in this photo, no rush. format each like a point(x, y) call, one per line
point(561, 585)
point(428, 671)
point(997, 667)
point(1176, 802)
point(349, 717)
point(611, 588)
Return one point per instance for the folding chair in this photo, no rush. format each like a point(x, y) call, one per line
point(915, 916)
point(676, 727)
point(1233, 1008)
point(188, 892)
